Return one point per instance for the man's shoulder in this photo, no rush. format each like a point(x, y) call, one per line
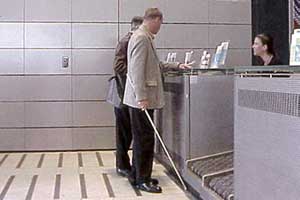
point(139, 35)
point(126, 38)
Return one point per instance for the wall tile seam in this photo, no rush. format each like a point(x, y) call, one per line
point(53, 127)
point(72, 77)
point(24, 70)
point(116, 23)
point(58, 22)
point(82, 100)
point(193, 23)
point(118, 16)
point(51, 75)
point(185, 48)
point(108, 48)
point(57, 48)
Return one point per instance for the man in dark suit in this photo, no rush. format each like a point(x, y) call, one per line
point(144, 90)
point(123, 129)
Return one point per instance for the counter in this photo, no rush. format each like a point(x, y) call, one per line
point(251, 111)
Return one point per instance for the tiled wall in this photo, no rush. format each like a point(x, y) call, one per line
point(45, 106)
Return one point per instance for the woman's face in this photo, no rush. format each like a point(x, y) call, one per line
point(258, 47)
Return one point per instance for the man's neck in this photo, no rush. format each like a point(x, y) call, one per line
point(145, 26)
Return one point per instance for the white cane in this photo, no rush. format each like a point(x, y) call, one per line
point(165, 149)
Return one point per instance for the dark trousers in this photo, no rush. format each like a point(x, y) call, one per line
point(143, 146)
point(123, 137)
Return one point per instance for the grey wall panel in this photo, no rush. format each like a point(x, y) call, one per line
point(51, 139)
point(12, 115)
point(48, 114)
point(50, 88)
point(193, 36)
point(238, 57)
point(92, 61)
point(123, 30)
point(44, 29)
point(41, 35)
point(93, 138)
point(266, 158)
point(93, 114)
point(266, 143)
point(11, 61)
point(11, 35)
point(239, 35)
point(95, 10)
point(191, 11)
point(89, 87)
point(236, 12)
point(188, 11)
point(159, 40)
point(45, 10)
point(47, 61)
point(12, 88)
point(131, 8)
point(13, 139)
point(94, 35)
point(12, 10)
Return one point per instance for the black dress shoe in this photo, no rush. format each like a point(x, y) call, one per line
point(152, 180)
point(123, 172)
point(149, 187)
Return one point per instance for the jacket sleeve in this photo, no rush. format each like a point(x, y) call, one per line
point(137, 69)
point(120, 61)
point(167, 66)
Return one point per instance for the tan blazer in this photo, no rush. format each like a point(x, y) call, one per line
point(144, 78)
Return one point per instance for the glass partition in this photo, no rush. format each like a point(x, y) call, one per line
point(238, 70)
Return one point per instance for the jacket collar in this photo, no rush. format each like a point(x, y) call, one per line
point(144, 29)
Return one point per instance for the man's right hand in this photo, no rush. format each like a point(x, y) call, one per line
point(143, 104)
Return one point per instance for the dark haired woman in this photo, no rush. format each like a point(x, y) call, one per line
point(263, 48)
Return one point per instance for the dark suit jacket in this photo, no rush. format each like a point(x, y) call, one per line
point(275, 61)
point(120, 63)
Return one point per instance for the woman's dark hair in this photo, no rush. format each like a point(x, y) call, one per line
point(267, 39)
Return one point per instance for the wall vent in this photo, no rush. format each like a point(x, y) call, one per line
point(276, 102)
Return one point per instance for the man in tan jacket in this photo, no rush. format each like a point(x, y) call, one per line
point(144, 90)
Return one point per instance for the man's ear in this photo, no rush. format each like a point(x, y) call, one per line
point(157, 19)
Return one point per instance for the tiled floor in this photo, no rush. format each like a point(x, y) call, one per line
point(73, 176)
